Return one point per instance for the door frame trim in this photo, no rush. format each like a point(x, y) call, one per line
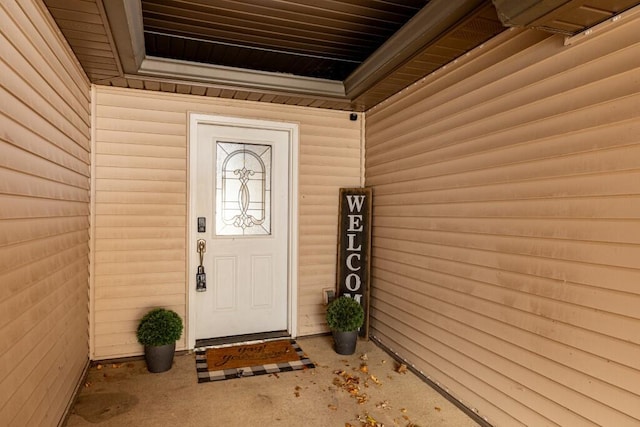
point(196, 119)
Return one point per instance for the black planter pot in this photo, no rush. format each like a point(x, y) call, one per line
point(345, 342)
point(159, 358)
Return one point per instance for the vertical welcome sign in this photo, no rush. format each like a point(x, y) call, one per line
point(354, 247)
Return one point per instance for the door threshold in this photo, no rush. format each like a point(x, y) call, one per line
point(234, 339)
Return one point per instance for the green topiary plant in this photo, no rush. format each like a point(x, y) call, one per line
point(345, 314)
point(159, 327)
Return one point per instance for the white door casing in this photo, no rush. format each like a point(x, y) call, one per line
point(250, 263)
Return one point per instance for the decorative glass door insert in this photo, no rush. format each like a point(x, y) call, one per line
point(243, 189)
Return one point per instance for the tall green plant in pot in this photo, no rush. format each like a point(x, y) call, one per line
point(158, 332)
point(345, 317)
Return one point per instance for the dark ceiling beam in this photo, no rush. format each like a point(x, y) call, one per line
point(566, 17)
point(528, 13)
point(431, 22)
point(240, 77)
point(125, 21)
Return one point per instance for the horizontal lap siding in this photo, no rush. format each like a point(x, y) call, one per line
point(140, 218)
point(506, 231)
point(44, 218)
point(141, 205)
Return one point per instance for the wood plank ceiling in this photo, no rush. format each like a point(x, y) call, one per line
point(339, 54)
point(308, 38)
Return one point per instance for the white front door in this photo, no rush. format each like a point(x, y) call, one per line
point(240, 183)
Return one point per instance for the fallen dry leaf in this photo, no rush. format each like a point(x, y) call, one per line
point(403, 410)
point(368, 421)
point(383, 405)
point(375, 379)
point(364, 357)
point(364, 368)
point(401, 369)
point(351, 384)
point(437, 408)
point(362, 398)
point(332, 407)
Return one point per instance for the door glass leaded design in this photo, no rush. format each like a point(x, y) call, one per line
point(243, 189)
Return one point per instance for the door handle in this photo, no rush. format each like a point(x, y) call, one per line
point(202, 248)
point(201, 277)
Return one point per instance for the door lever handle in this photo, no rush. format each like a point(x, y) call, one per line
point(202, 248)
point(201, 278)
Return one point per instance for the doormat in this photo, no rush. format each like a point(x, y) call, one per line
point(246, 360)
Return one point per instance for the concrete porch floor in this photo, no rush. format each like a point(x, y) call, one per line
point(127, 395)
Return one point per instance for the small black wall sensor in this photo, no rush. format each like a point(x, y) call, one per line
point(353, 117)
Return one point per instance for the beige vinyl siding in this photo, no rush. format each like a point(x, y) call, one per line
point(506, 231)
point(141, 205)
point(44, 218)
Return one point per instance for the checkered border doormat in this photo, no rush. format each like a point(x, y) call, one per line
point(205, 376)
